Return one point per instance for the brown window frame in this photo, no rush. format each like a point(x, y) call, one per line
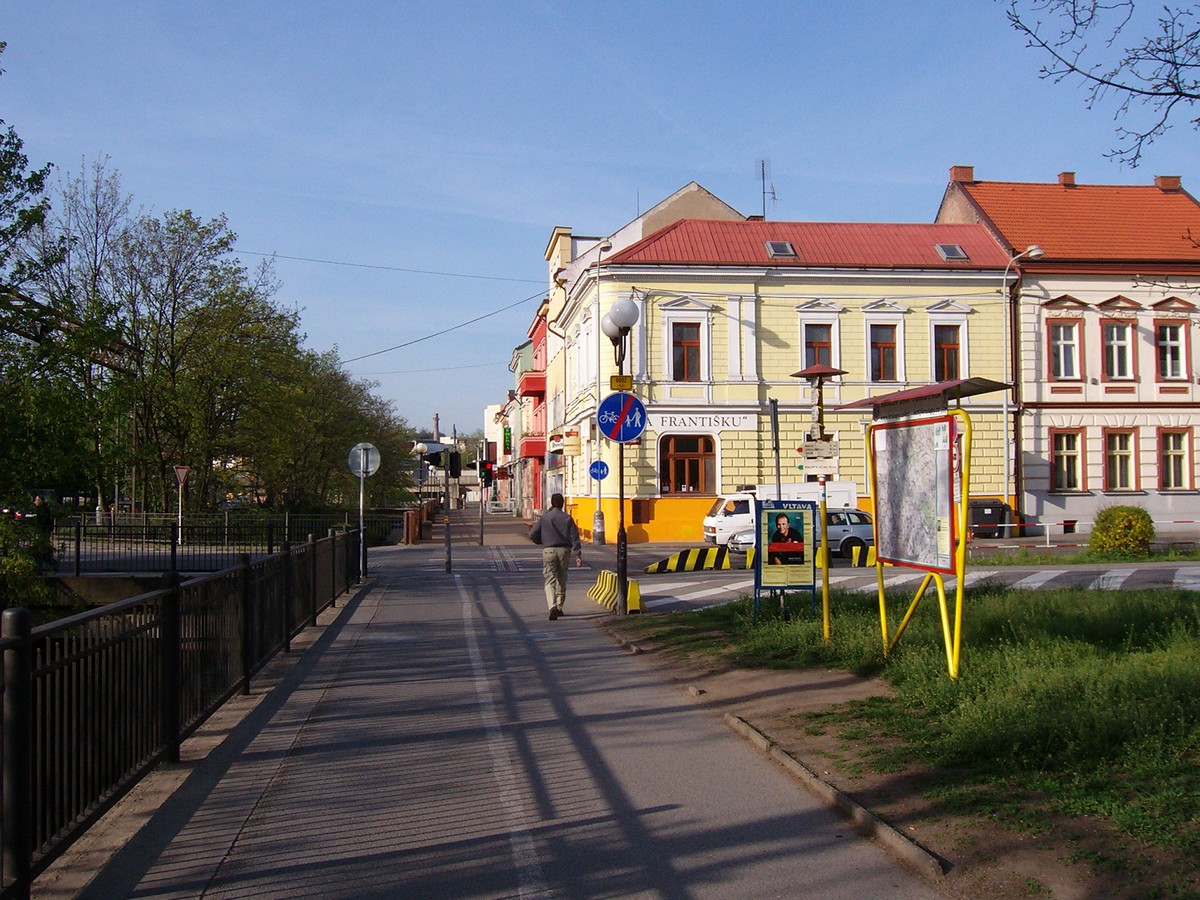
point(944, 351)
point(880, 353)
point(1187, 468)
point(1130, 454)
point(685, 353)
point(818, 352)
point(1080, 457)
point(687, 470)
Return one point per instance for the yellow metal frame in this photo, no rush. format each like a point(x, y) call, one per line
point(952, 636)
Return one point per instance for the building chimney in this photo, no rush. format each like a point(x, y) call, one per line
point(1168, 182)
point(962, 173)
point(1066, 179)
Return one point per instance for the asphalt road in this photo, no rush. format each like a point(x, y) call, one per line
point(441, 738)
point(692, 590)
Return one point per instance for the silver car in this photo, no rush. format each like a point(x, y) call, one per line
point(848, 528)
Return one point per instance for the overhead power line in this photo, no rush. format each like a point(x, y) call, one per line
point(427, 337)
point(335, 262)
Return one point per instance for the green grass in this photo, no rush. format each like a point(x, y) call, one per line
point(1087, 700)
point(1039, 556)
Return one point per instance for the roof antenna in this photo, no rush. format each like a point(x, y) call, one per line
point(764, 173)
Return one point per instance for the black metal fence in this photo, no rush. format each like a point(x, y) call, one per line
point(203, 544)
point(93, 702)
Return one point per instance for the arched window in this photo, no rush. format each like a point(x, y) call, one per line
point(687, 463)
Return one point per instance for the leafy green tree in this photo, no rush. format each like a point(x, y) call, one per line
point(23, 205)
point(199, 325)
point(298, 434)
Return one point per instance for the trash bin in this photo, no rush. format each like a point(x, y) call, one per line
point(987, 518)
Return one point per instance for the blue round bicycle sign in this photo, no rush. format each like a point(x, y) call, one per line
point(599, 470)
point(621, 417)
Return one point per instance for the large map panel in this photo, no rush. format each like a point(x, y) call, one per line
point(912, 467)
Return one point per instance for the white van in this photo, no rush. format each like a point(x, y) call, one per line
point(735, 512)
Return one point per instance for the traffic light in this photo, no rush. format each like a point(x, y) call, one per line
point(454, 469)
point(487, 474)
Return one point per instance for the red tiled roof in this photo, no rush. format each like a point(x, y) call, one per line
point(1087, 222)
point(704, 242)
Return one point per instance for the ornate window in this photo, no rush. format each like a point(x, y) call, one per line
point(885, 340)
point(686, 340)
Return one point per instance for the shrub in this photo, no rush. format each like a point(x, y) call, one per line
point(1122, 531)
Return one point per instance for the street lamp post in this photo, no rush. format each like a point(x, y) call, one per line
point(1033, 251)
point(420, 449)
point(598, 516)
point(616, 324)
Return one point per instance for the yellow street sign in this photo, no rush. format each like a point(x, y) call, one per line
point(620, 383)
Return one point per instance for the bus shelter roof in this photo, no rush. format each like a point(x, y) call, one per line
point(927, 398)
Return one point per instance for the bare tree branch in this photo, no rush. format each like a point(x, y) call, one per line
point(1088, 40)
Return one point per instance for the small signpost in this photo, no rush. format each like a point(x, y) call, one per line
point(599, 471)
point(363, 461)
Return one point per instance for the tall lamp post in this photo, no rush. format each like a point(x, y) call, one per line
point(598, 517)
point(1033, 251)
point(420, 449)
point(616, 324)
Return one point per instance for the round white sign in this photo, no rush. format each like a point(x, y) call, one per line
point(363, 459)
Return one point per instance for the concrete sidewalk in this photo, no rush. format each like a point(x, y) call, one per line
point(435, 736)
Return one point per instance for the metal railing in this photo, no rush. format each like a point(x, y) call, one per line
point(93, 702)
point(205, 543)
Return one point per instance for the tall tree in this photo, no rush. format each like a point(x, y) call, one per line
point(195, 319)
point(84, 231)
point(23, 205)
point(1151, 68)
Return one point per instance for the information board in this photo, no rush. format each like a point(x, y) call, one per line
point(912, 465)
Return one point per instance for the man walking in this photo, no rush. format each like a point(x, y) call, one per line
point(559, 537)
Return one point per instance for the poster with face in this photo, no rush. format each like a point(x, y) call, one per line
point(785, 556)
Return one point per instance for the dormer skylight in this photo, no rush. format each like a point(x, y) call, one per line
point(781, 250)
point(951, 252)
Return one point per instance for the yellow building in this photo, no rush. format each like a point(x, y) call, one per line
point(727, 311)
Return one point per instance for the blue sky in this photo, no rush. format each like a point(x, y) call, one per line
point(394, 140)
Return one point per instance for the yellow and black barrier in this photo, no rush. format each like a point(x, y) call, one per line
point(692, 561)
point(605, 592)
point(862, 556)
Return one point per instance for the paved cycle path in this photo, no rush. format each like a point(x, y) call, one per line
point(441, 738)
